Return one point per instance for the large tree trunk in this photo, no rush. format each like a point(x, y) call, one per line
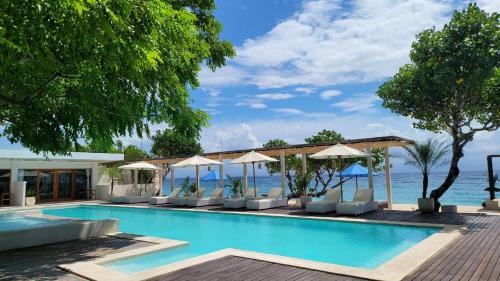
point(457, 150)
point(425, 184)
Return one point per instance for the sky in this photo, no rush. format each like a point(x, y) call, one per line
point(305, 66)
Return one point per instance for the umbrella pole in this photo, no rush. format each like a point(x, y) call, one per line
point(254, 186)
point(356, 181)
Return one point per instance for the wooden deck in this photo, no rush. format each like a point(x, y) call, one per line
point(40, 263)
point(474, 256)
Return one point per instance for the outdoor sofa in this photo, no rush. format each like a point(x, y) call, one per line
point(214, 199)
point(165, 199)
point(183, 201)
point(363, 202)
point(328, 204)
point(240, 202)
point(273, 199)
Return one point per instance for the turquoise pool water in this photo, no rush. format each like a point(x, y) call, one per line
point(351, 244)
point(18, 223)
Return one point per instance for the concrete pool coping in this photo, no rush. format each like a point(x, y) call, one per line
point(394, 269)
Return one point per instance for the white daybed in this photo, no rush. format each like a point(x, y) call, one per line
point(214, 199)
point(183, 201)
point(328, 204)
point(165, 199)
point(363, 202)
point(240, 202)
point(273, 199)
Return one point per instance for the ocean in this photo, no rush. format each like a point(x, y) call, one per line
point(468, 189)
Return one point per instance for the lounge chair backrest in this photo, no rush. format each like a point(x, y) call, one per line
point(364, 195)
point(274, 193)
point(251, 192)
point(332, 194)
point(175, 192)
point(201, 192)
point(216, 193)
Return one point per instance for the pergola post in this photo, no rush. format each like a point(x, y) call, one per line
point(304, 164)
point(197, 181)
point(370, 167)
point(172, 179)
point(221, 175)
point(388, 183)
point(282, 166)
point(136, 178)
point(161, 172)
point(245, 177)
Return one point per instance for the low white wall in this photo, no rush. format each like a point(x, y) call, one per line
point(74, 230)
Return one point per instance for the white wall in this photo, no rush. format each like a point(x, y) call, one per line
point(15, 165)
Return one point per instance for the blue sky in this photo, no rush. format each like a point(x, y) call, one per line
point(304, 66)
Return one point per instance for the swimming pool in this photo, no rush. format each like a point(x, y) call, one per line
point(21, 222)
point(361, 245)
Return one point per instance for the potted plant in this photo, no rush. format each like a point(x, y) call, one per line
point(30, 197)
point(187, 188)
point(301, 183)
point(426, 156)
point(236, 187)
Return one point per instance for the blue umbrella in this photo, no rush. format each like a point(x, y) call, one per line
point(355, 170)
point(212, 176)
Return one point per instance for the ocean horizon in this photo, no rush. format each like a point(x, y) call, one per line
point(467, 190)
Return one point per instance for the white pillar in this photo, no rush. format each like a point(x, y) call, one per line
point(304, 164)
point(370, 167)
point(19, 194)
point(136, 178)
point(161, 173)
point(282, 165)
point(245, 177)
point(14, 174)
point(221, 174)
point(172, 179)
point(388, 183)
point(197, 181)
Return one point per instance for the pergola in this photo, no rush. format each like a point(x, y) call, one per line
point(366, 144)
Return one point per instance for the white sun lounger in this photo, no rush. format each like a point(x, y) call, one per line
point(363, 202)
point(214, 199)
point(183, 201)
point(273, 199)
point(165, 199)
point(240, 202)
point(328, 204)
point(134, 198)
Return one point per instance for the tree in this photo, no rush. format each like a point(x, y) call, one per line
point(452, 83)
point(425, 156)
point(324, 170)
point(134, 153)
point(168, 143)
point(292, 162)
point(101, 69)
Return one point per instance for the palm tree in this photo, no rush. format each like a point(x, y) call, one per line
point(426, 156)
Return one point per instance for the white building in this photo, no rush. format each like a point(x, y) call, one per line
point(52, 178)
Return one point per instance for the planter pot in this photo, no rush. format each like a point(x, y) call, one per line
point(30, 201)
point(304, 200)
point(426, 205)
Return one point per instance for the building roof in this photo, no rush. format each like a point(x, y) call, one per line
point(306, 148)
point(17, 154)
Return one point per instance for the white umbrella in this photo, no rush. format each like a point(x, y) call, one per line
point(143, 166)
point(338, 151)
point(253, 157)
point(196, 161)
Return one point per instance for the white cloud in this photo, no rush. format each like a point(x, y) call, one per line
point(252, 104)
point(305, 90)
point(213, 104)
point(357, 102)
point(326, 95)
point(333, 42)
point(226, 76)
point(292, 111)
point(275, 96)
point(229, 137)
point(489, 6)
point(257, 105)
